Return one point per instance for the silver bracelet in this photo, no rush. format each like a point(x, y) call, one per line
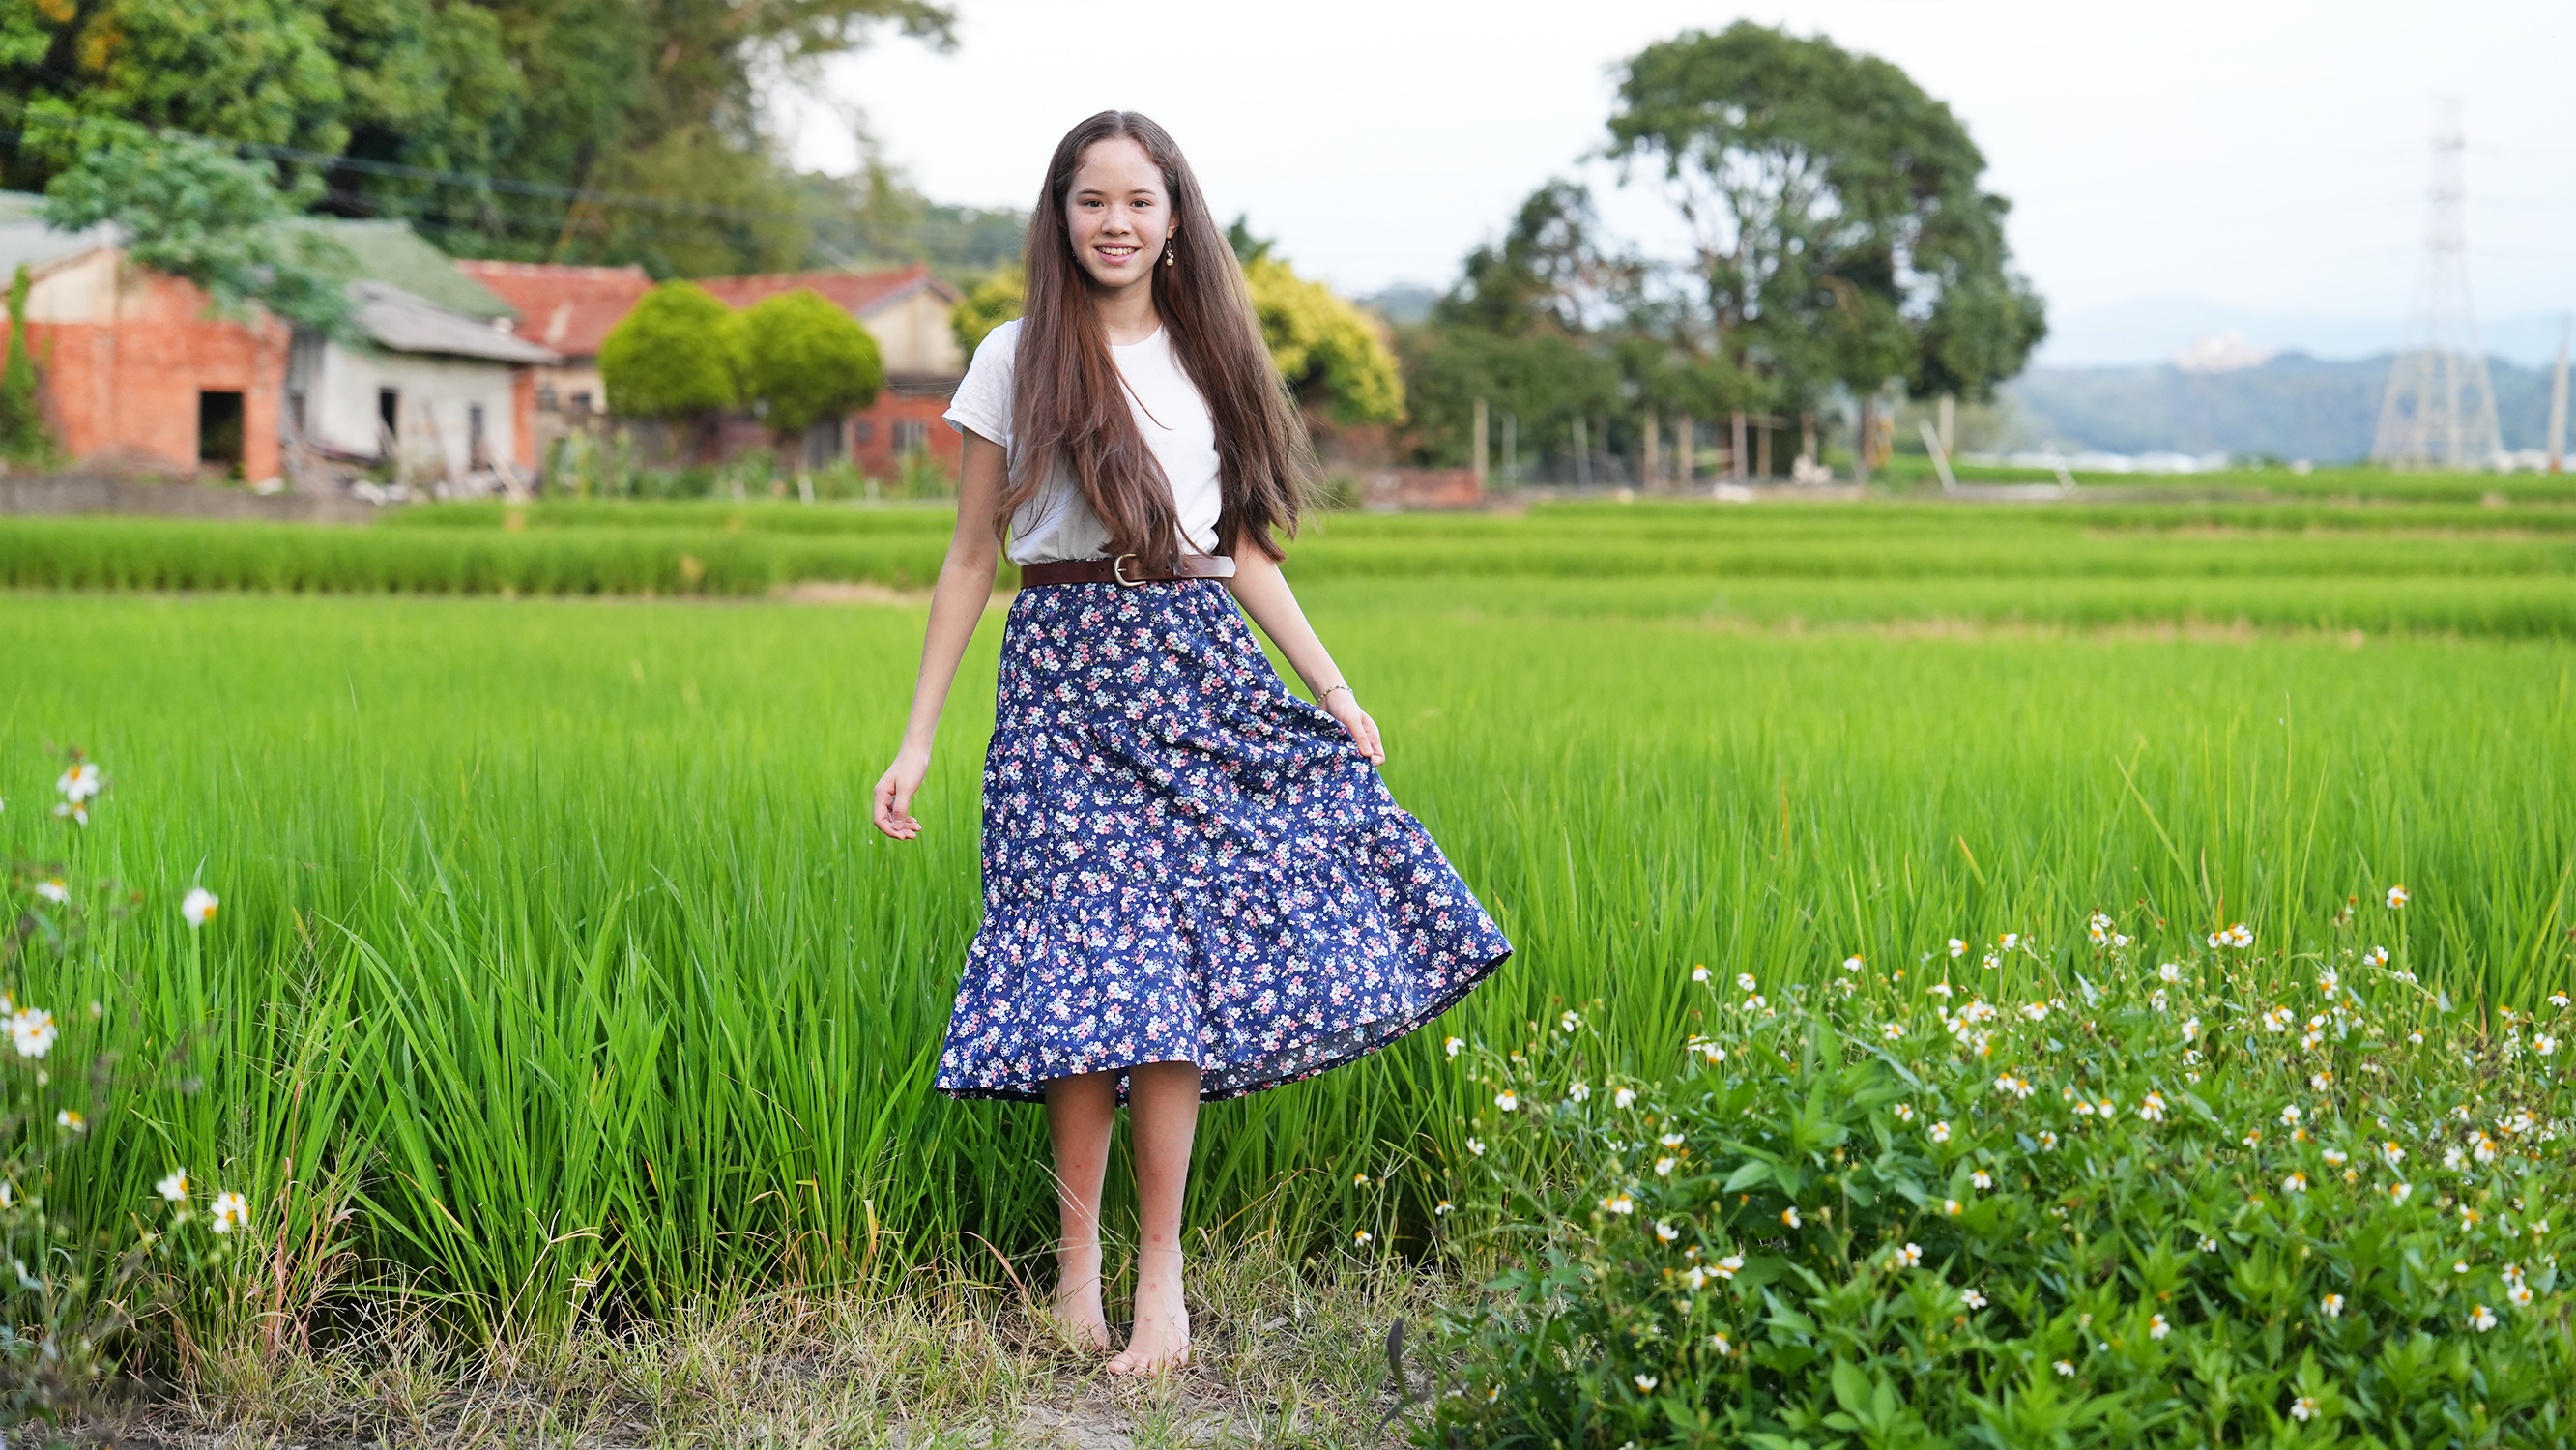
point(1344, 688)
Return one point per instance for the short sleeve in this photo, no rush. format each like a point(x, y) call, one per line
point(982, 401)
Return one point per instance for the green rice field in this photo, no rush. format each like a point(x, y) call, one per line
point(555, 943)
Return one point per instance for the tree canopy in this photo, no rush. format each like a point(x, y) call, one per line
point(805, 360)
point(987, 305)
point(196, 211)
point(1839, 238)
point(652, 109)
point(1330, 355)
point(1840, 234)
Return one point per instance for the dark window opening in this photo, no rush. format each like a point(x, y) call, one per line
point(478, 452)
point(389, 415)
point(581, 405)
point(911, 435)
point(295, 414)
point(219, 429)
point(863, 431)
point(546, 398)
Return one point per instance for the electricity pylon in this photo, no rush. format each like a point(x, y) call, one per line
point(2440, 410)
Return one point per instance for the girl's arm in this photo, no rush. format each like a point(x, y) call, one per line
point(956, 604)
point(1264, 594)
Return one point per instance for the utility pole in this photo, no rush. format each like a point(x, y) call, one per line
point(2440, 409)
point(1736, 460)
point(1480, 447)
point(2558, 402)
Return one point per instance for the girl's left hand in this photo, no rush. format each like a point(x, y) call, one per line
point(1363, 730)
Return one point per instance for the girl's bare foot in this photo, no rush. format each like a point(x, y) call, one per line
point(1084, 1324)
point(1161, 1340)
point(1077, 1299)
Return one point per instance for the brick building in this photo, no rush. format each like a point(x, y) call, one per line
point(138, 374)
point(569, 310)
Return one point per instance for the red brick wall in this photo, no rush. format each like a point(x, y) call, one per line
point(1422, 488)
point(125, 393)
point(523, 421)
point(871, 435)
point(868, 437)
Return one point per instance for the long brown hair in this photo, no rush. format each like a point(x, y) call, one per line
point(1071, 408)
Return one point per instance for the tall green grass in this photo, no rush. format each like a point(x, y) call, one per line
point(555, 937)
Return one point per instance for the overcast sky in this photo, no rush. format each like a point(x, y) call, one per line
point(2269, 160)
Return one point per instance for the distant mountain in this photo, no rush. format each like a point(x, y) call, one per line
point(2156, 329)
point(1402, 302)
point(2294, 406)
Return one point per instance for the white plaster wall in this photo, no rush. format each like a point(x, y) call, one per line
point(435, 443)
point(913, 336)
point(82, 289)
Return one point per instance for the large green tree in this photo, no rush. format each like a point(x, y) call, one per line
point(1840, 232)
point(1531, 329)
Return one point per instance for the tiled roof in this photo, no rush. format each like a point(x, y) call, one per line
point(26, 239)
point(857, 293)
point(568, 309)
point(404, 323)
point(348, 251)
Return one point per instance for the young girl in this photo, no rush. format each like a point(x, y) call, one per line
point(1195, 885)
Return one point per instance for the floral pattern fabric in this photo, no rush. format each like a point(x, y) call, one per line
point(1185, 862)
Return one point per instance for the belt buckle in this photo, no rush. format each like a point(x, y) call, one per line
point(1118, 572)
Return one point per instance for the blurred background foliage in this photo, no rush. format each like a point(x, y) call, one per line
point(476, 120)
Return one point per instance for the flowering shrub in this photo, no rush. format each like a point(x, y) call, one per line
point(2211, 1201)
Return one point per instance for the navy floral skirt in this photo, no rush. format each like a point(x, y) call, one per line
point(1183, 862)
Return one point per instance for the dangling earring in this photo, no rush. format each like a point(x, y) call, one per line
point(1170, 256)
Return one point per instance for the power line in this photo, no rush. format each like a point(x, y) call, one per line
point(474, 180)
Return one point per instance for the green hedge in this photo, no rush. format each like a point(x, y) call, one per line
point(161, 554)
point(715, 515)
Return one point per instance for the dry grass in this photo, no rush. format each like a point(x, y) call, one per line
point(1287, 1354)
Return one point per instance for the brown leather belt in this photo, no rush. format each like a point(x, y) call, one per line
point(1124, 570)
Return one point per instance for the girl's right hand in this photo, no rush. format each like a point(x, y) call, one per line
point(895, 790)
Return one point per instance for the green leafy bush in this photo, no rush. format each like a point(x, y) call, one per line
point(193, 209)
point(677, 355)
point(806, 360)
point(2216, 1200)
point(23, 436)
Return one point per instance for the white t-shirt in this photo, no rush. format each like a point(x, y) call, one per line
point(1057, 523)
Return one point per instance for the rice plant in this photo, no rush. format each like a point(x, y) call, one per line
point(559, 977)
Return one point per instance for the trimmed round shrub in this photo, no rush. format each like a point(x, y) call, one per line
point(806, 360)
point(677, 355)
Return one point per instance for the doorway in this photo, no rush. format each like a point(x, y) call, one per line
point(219, 431)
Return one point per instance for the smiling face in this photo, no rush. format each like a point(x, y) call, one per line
point(1118, 214)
